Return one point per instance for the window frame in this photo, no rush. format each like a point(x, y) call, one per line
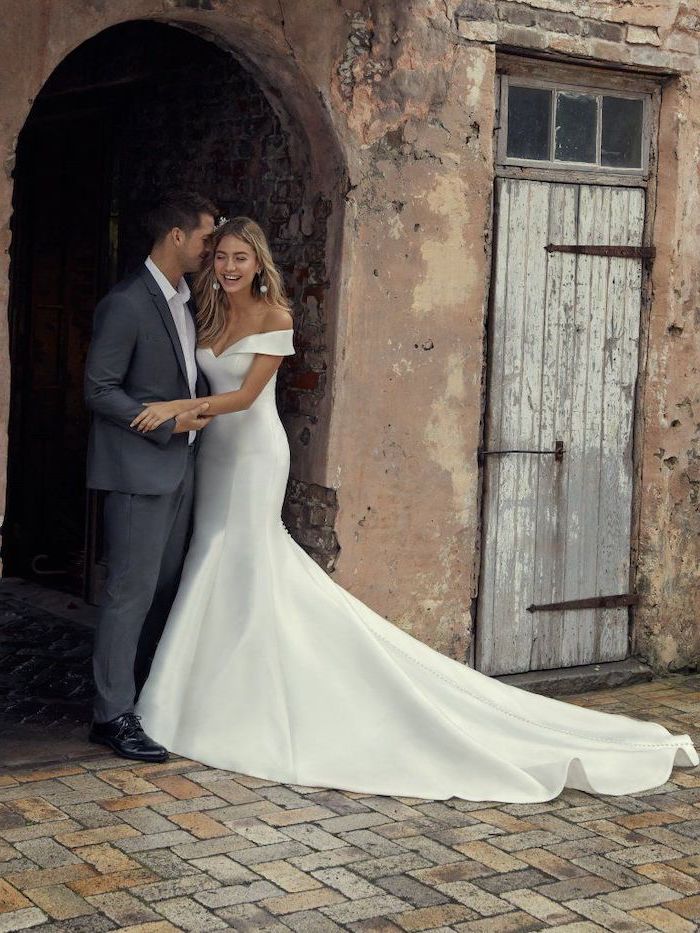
point(556, 165)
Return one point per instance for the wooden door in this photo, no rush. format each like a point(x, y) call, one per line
point(58, 263)
point(563, 356)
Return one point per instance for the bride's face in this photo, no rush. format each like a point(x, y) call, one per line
point(235, 265)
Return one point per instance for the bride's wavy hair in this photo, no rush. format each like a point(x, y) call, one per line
point(212, 305)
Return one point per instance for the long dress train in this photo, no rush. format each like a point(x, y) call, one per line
point(268, 667)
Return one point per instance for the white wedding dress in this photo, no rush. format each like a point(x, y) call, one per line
point(267, 667)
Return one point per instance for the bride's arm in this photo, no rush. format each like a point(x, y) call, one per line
point(262, 369)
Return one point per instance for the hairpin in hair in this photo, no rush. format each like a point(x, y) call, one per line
point(220, 223)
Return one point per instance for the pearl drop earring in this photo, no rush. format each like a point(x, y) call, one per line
point(262, 288)
point(215, 286)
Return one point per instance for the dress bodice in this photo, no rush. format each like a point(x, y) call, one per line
point(227, 371)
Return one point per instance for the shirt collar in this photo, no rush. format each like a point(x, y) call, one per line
point(169, 292)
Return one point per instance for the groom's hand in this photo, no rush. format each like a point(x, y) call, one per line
point(192, 420)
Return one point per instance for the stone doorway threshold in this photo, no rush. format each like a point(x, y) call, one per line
point(564, 681)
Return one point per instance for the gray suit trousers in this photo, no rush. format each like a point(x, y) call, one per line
point(146, 539)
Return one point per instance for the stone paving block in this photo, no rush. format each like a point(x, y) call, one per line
point(340, 804)
point(382, 925)
point(297, 815)
point(674, 840)
point(38, 877)
point(406, 828)
point(229, 790)
point(287, 876)
point(175, 887)
point(161, 926)
point(611, 871)
point(36, 809)
point(313, 836)
point(463, 834)
point(86, 837)
point(661, 919)
point(172, 807)
point(140, 843)
point(201, 825)
point(365, 907)
point(246, 918)
point(200, 848)
point(302, 900)
point(38, 830)
point(473, 897)
point(433, 851)
point(347, 882)
point(372, 843)
point(127, 782)
point(550, 863)
point(505, 821)
point(12, 866)
point(339, 824)
point(582, 886)
point(516, 841)
point(645, 895)
point(59, 902)
point(269, 853)
point(311, 921)
point(517, 922)
point(165, 863)
point(388, 865)
point(11, 898)
point(224, 869)
point(238, 894)
point(674, 879)
point(22, 919)
point(639, 855)
point(513, 880)
point(186, 914)
point(539, 906)
point(179, 787)
point(115, 881)
point(689, 908)
point(343, 855)
point(427, 918)
point(466, 870)
point(134, 802)
point(596, 845)
point(488, 855)
point(93, 923)
point(147, 821)
point(47, 853)
point(609, 917)
point(123, 908)
point(412, 891)
point(93, 814)
point(391, 807)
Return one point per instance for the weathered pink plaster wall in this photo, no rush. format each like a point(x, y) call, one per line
point(397, 101)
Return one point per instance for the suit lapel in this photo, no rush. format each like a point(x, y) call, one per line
point(165, 313)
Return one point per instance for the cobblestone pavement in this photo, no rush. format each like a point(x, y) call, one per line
point(104, 844)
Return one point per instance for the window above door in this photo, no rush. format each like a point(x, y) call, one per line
point(569, 127)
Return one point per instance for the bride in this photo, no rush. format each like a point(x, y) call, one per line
point(267, 667)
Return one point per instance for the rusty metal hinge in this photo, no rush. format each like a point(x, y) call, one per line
point(558, 452)
point(590, 602)
point(646, 253)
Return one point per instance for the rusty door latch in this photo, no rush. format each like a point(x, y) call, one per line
point(646, 253)
point(558, 452)
point(589, 602)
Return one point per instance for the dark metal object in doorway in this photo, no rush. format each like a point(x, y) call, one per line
point(589, 602)
point(558, 452)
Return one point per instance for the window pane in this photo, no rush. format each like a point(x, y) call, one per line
point(575, 133)
point(621, 143)
point(529, 110)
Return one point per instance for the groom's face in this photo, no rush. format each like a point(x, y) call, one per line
point(195, 246)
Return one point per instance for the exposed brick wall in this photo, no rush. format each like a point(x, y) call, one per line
point(623, 32)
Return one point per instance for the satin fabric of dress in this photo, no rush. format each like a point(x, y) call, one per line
point(267, 667)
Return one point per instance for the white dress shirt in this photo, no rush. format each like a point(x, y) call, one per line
point(176, 299)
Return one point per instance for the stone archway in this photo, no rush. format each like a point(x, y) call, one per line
point(239, 142)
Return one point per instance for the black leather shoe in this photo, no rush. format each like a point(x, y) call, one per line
point(125, 736)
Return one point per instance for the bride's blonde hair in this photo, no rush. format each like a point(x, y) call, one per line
point(212, 305)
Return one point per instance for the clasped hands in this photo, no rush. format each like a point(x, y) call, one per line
point(188, 414)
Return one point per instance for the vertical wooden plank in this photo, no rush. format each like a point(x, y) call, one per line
point(555, 399)
point(619, 376)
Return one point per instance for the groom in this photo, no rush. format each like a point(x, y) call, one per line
point(143, 349)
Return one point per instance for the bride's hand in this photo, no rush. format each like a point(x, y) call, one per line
point(155, 413)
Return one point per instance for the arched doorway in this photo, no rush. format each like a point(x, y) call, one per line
point(139, 107)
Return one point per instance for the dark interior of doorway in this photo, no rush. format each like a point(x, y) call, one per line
point(140, 107)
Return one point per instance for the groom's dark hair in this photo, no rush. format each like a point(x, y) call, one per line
point(181, 209)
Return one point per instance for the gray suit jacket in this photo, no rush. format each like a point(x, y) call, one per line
point(135, 356)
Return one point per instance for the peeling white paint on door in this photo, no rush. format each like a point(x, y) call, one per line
point(563, 352)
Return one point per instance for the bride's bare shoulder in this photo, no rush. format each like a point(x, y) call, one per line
point(278, 318)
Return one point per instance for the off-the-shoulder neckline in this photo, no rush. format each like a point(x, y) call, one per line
point(285, 330)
